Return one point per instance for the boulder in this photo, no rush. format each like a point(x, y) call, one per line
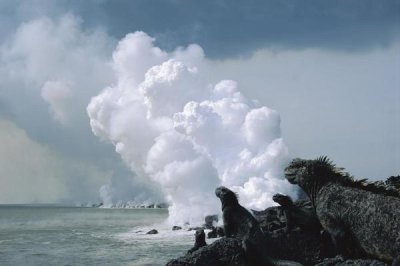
point(152, 232)
point(210, 220)
point(213, 233)
point(216, 232)
point(195, 228)
point(223, 252)
point(305, 246)
point(340, 261)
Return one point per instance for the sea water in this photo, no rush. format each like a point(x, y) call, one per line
point(51, 235)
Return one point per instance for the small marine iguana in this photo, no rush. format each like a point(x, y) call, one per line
point(200, 241)
point(359, 215)
point(393, 182)
point(298, 215)
point(240, 223)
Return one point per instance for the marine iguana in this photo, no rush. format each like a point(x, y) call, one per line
point(301, 214)
point(353, 212)
point(240, 223)
point(200, 241)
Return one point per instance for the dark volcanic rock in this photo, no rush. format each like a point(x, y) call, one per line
point(271, 218)
point(216, 232)
point(305, 246)
point(175, 227)
point(212, 234)
point(223, 252)
point(195, 228)
point(152, 232)
point(209, 221)
point(340, 261)
point(161, 205)
point(220, 231)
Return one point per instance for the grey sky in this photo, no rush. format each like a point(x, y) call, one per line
point(330, 68)
point(230, 28)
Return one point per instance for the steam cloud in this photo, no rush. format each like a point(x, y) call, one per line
point(188, 136)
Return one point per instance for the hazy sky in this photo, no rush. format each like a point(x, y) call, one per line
point(330, 69)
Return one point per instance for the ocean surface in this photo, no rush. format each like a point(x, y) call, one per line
point(49, 235)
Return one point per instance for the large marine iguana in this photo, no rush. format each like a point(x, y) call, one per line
point(300, 214)
point(359, 215)
point(240, 223)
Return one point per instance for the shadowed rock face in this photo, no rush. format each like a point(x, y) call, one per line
point(302, 214)
point(362, 218)
point(223, 252)
point(210, 220)
point(340, 261)
point(353, 216)
point(304, 246)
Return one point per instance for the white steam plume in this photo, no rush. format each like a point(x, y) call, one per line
point(172, 126)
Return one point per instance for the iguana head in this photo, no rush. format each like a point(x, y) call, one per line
point(297, 171)
point(227, 196)
point(283, 200)
point(311, 175)
point(200, 236)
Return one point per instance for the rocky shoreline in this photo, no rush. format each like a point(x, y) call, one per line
point(309, 247)
point(306, 245)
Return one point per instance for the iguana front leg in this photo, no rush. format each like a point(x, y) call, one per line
point(396, 261)
point(344, 242)
point(229, 227)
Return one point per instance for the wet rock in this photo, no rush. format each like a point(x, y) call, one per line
point(216, 232)
point(220, 231)
point(175, 228)
point(308, 248)
point(305, 246)
point(223, 252)
point(210, 220)
point(213, 233)
point(195, 228)
point(340, 261)
point(161, 205)
point(152, 232)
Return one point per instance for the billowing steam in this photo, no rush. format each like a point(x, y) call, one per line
point(188, 136)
